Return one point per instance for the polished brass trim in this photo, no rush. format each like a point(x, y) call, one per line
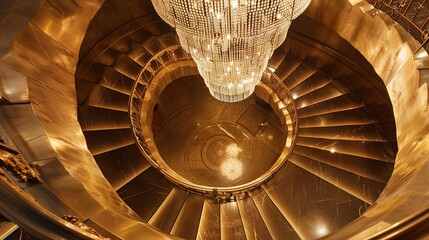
point(146, 91)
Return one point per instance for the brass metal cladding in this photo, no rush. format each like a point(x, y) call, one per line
point(42, 47)
point(145, 95)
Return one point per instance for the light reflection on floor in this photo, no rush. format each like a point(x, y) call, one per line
point(213, 143)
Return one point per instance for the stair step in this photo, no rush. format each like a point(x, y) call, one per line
point(299, 75)
point(313, 206)
point(102, 97)
point(167, 213)
point(186, 225)
point(231, 222)
point(94, 119)
point(127, 66)
point(363, 188)
point(381, 151)
point(145, 193)
point(314, 82)
point(169, 39)
point(153, 45)
point(325, 93)
point(337, 104)
point(114, 80)
point(276, 222)
point(277, 58)
point(369, 133)
point(140, 55)
point(365, 167)
point(107, 140)
point(254, 225)
point(351, 117)
point(289, 64)
point(210, 221)
point(122, 165)
point(123, 45)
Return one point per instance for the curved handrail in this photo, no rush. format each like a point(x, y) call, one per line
point(174, 54)
point(403, 10)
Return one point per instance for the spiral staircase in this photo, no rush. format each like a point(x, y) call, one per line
point(344, 152)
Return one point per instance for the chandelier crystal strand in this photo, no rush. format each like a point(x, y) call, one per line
point(231, 41)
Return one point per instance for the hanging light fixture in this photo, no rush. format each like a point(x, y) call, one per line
point(231, 41)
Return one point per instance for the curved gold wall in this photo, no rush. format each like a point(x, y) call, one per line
point(46, 53)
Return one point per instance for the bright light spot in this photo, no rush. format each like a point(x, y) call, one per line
point(294, 96)
point(321, 230)
point(218, 15)
point(240, 85)
point(230, 85)
point(231, 168)
point(278, 16)
point(232, 150)
point(332, 150)
point(234, 3)
point(228, 36)
point(56, 143)
point(421, 54)
point(272, 69)
point(228, 69)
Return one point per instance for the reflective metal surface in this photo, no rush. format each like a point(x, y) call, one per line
point(338, 73)
point(212, 143)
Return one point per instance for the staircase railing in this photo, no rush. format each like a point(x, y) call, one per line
point(144, 137)
point(412, 15)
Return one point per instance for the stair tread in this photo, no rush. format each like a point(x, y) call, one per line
point(350, 117)
point(278, 225)
point(314, 82)
point(167, 213)
point(254, 225)
point(381, 151)
point(287, 66)
point(310, 203)
point(114, 80)
point(231, 222)
point(102, 97)
point(320, 95)
point(94, 119)
point(122, 165)
point(145, 193)
point(365, 167)
point(369, 132)
point(107, 140)
point(363, 188)
point(127, 66)
point(186, 225)
point(299, 75)
point(337, 104)
point(209, 227)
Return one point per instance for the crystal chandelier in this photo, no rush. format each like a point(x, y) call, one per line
point(231, 41)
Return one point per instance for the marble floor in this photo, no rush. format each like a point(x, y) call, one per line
point(212, 143)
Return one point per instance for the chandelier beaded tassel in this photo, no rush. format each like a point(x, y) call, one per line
point(231, 41)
